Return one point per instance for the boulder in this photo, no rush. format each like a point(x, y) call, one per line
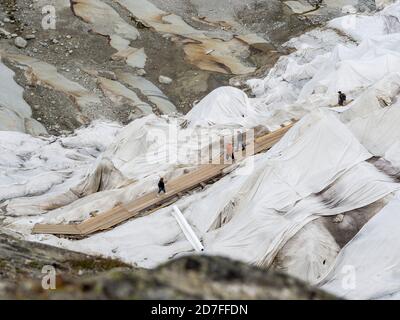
point(20, 42)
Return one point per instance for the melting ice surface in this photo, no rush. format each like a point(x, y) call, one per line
point(332, 162)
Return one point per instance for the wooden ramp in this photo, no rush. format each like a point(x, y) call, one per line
point(150, 202)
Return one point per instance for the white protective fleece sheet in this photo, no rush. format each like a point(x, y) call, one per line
point(368, 267)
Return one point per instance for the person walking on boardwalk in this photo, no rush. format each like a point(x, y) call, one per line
point(229, 152)
point(161, 186)
point(341, 98)
point(241, 143)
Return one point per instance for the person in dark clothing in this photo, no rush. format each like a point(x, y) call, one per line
point(161, 186)
point(241, 143)
point(342, 98)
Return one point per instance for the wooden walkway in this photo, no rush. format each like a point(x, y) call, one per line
point(150, 202)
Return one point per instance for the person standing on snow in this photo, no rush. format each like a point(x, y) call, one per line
point(342, 98)
point(161, 186)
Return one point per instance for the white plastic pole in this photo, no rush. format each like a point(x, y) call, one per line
point(187, 230)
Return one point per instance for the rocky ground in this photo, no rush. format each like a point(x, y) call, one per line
point(21, 259)
point(80, 276)
point(77, 51)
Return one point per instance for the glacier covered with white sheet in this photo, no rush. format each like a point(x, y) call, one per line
point(281, 214)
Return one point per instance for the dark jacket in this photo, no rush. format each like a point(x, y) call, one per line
point(342, 97)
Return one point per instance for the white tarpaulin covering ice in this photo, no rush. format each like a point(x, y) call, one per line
point(280, 197)
point(369, 266)
point(364, 26)
point(225, 106)
point(290, 191)
point(40, 174)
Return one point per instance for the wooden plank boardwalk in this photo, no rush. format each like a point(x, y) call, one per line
point(151, 201)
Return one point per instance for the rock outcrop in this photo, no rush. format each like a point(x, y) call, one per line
point(81, 276)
